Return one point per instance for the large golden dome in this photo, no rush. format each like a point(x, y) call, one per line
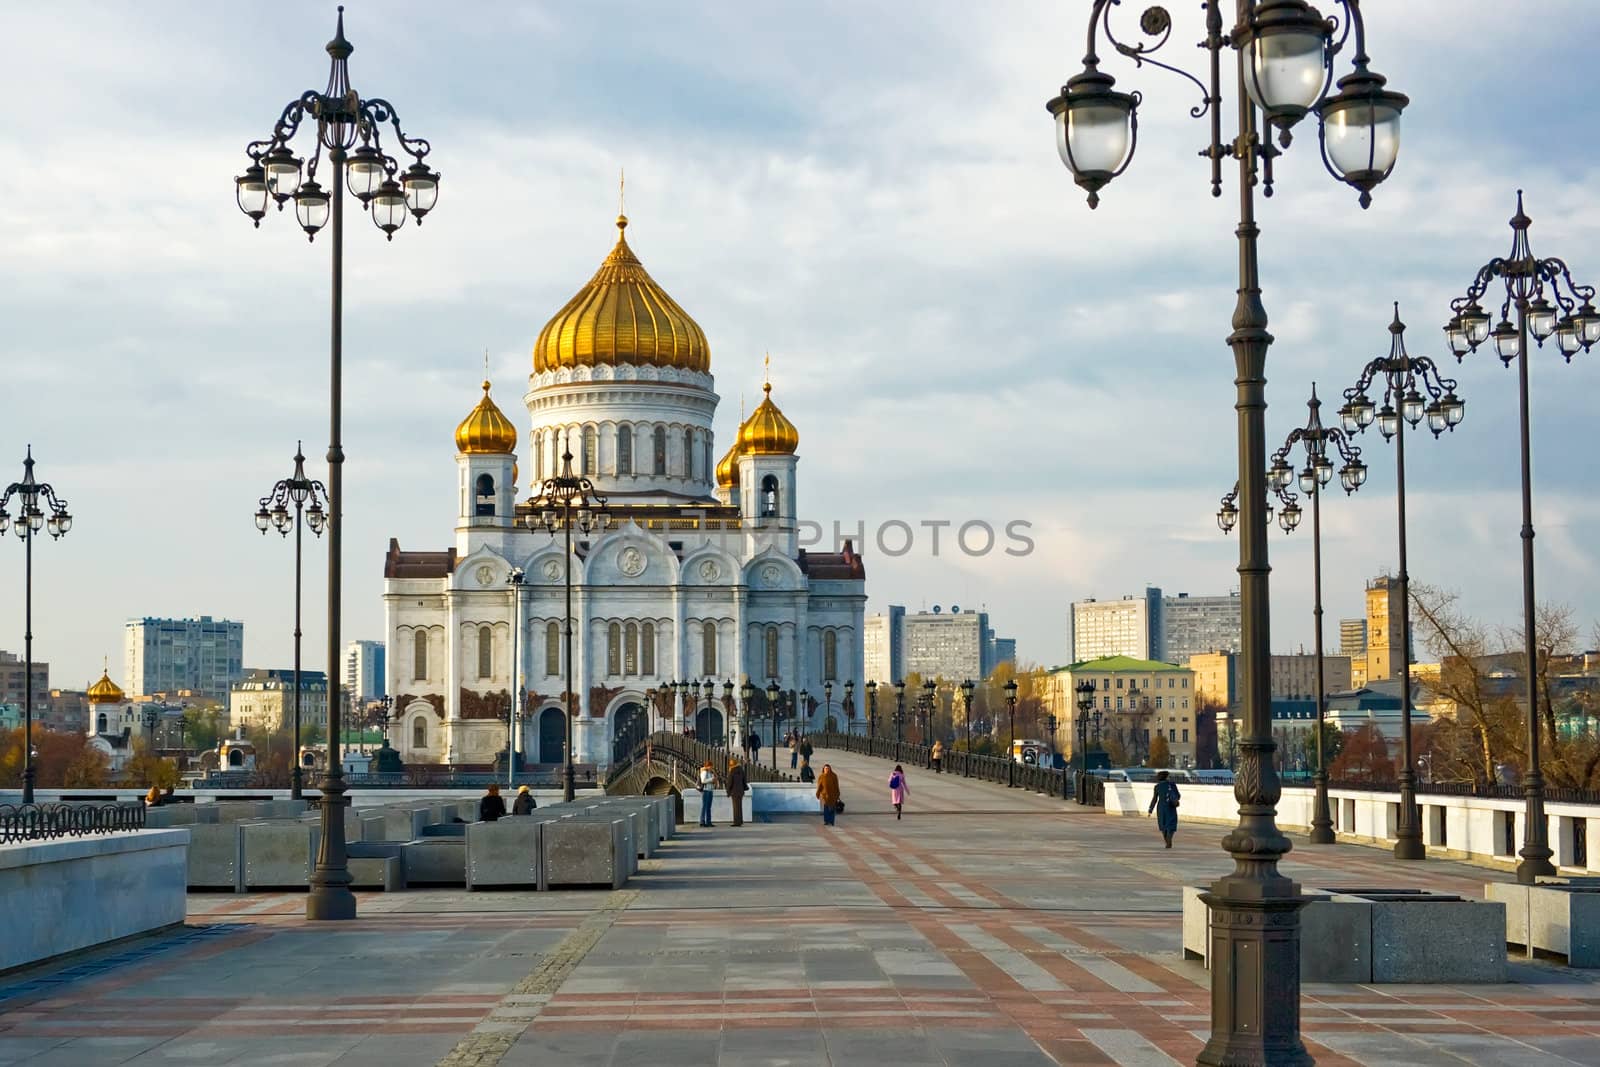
point(768, 431)
point(105, 691)
point(486, 429)
point(621, 316)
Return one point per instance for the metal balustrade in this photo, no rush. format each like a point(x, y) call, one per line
point(42, 822)
point(1047, 780)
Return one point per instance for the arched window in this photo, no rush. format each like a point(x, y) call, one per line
point(624, 450)
point(630, 649)
point(591, 450)
point(419, 656)
point(706, 462)
point(769, 497)
point(485, 494)
point(830, 655)
point(101, 727)
point(647, 649)
point(708, 649)
point(485, 652)
point(419, 732)
point(772, 651)
point(613, 650)
point(688, 453)
point(538, 458)
point(660, 448)
point(552, 649)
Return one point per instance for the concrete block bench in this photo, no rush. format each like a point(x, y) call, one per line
point(1560, 919)
point(505, 853)
point(216, 857)
point(586, 851)
point(278, 855)
point(435, 861)
point(1381, 935)
point(377, 872)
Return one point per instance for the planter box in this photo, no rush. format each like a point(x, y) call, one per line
point(1559, 919)
point(505, 853)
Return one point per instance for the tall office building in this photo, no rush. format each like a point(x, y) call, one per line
point(14, 680)
point(1191, 625)
point(1127, 627)
point(1352, 637)
point(364, 675)
point(884, 641)
point(952, 645)
point(204, 656)
point(1005, 651)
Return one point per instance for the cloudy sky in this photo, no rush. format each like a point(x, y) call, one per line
point(868, 190)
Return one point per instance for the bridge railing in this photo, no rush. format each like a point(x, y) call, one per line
point(693, 755)
point(1048, 780)
point(42, 822)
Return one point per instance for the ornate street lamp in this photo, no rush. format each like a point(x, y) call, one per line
point(966, 716)
point(899, 715)
point(515, 580)
point(872, 710)
point(343, 120)
point(1085, 700)
point(849, 706)
point(1314, 437)
point(55, 519)
point(774, 706)
point(827, 701)
point(727, 708)
point(1412, 390)
point(929, 689)
point(297, 491)
point(1286, 55)
point(566, 502)
point(1011, 741)
point(1531, 284)
point(151, 717)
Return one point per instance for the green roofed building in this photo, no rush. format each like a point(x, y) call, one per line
point(1135, 699)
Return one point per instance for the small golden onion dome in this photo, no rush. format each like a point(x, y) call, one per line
point(621, 316)
point(486, 429)
point(105, 691)
point(728, 467)
point(768, 432)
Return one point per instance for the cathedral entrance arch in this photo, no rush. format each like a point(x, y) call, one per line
point(708, 726)
point(628, 727)
point(552, 736)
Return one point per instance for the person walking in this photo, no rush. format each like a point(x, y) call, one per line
point(806, 773)
point(898, 790)
point(936, 757)
point(794, 751)
point(828, 794)
point(1165, 804)
point(524, 804)
point(738, 785)
point(805, 748)
point(708, 786)
point(755, 747)
point(491, 807)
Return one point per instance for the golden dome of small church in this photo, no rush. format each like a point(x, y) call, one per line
point(702, 574)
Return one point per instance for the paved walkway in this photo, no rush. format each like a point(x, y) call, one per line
point(987, 928)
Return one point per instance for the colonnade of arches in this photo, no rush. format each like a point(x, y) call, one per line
point(626, 449)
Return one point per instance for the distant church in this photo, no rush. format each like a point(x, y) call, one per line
point(698, 578)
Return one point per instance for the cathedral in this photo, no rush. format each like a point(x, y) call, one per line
point(695, 576)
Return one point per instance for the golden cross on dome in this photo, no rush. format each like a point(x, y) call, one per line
point(622, 191)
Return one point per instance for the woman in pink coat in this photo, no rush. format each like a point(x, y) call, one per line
point(898, 789)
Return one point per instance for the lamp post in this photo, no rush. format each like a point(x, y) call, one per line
point(1400, 376)
point(565, 502)
point(677, 702)
point(899, 715)
point(380, 716)
point(1135, 731)
point(151, 717)
point(849, 705)
point(350, 129)
point(773, 705)
point(1285, 65)
point(707, 687)
point(929, 691)
point(299, 491)
point(827, 701)
point(1314, 438)
point(516, 580)
point(1531, 284)
point(872, 710)
point(1011, 742)
point(1085, 701)
point(31, 518)
point(727, 707)
point(966, 717)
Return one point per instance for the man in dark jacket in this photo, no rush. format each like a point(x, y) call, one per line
point(738, 785)
point(491, 807)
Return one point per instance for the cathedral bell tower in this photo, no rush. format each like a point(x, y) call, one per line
point(766, 474)
point(486, 461)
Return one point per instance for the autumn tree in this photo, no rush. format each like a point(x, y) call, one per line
point(1365, 757)
point(1160, 753)
point(63, 759)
